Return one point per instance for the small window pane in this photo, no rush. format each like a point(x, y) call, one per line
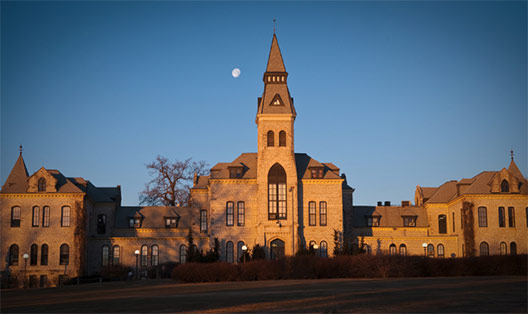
point(282, 138)
point(13, 255)
point(322, 213)
point(230, 213)
point(403, 250)
point(482, 217)
point(513, 248)
point(144, 256)
point(44, 255)
point(183, 254)
point(155, 255)
point(36, 216)
point(33, 256)
point(241, 213)
point(442, 224)
point(484, 249)
point(511, 217)
point(65, 219)
point(116, 254)
point(105, 255)
point(440, 250)
point(430, 250)
point(324, 249)
point(392, 249)
point(15, 216)
point(502, 220)
point(271, 139)
point(64, 254)
point(203, 221)
point(503, 248)
point(311, 213)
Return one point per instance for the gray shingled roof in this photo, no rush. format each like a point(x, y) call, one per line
point(391, 216)
point(153, 216)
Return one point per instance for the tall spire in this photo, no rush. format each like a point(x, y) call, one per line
point(17, 180)
point(275, 62)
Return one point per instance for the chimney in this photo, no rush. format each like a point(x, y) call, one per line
point(406, 203)
point(380, 203)
point(387, 203)
point(195, 178)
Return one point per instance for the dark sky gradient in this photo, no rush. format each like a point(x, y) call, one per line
point(397, 94)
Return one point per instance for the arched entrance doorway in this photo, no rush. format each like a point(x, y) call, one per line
point(276, 249)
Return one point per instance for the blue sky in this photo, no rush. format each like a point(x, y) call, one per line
point(397, 94)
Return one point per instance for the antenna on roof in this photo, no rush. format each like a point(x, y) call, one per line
point(511, 153)
point(274, 20)
point(20, 149)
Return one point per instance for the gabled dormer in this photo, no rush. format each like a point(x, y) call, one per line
point(42, 181)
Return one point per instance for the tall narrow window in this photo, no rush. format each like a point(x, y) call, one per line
point(155, 255)
point(392, 249)
point(229, 252)
point(144, 256)
point(230, 213)
point(482, 217)
point(36, 216)
point(13, 255)
point(33, 256)
point(513, 248)
point(403, 250)
point(42, 185)
point(105, 255)
point(282, 138)
point(44, 255)
point(240, 252)
point(15, 216)
point(45, 216)
point(505, 186)
point(324, 249)
point(453, 221)
point(503, 248)
point(183, 254)
point(484, 249)
point(116, 254)
point(526, 216)
point(101, 224)
point(241, 213)
point(322, 213)
point(502, 220)
point(430, 250)
point(276, 193)
point(442, 224)
point(64, 258)
point(511, 217)
point(203, 220)
point(311, 213)
point(271, 139)
point(65, 216)
point(440, 250)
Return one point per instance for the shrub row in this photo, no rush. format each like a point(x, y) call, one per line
point(358, 266)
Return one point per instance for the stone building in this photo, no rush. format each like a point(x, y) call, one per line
point(276, 198)
point(483, 215)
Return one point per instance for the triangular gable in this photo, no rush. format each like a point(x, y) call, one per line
point(277, 101)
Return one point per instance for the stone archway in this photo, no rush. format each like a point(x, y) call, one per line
point(276, 249)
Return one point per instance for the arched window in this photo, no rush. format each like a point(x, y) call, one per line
point(392, 249)
point(229, 252)
point(44, 254)
point(484, 249)
point(430, 250)
point(36, 216)
point(440, 250)
point(482, 217)
point(276, 249)
point(15, 216)
point(45, 216)
point(240, 252)
point(403, 250)
point(282, 138)
point(276, 193)
point(368, 249)
point(442, 224)
point(13, 255)
point(155, 255)
point(503, 248)
point(241, 213)
point(65, 216)
point(64, 254)
point(144, 256)
point(322, 213)
point(311, 213)
point(502, 219)
point(271, 139)
point(505, 186)
point(116, 254)
point(513, 248)
point(105, 255)
point(183, 254)
point(33, 256)
point(323, 249)
point(42, 185)
point(511, 217)
point(101, 224)
point(230, 213)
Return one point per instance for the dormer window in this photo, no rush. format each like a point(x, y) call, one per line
point(409, 221)
point(373, 221)
point(42, 185)
point(134, 222)
point(317, 173)
point(505, 186)
point(171, 222)
point(235, 172)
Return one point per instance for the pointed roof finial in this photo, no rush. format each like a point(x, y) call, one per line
point(274, 20)
point(20, 149)
point(511, 153)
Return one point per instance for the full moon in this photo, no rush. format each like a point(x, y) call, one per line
point(236, 72)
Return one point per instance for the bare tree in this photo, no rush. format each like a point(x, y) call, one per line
point(172, 181)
